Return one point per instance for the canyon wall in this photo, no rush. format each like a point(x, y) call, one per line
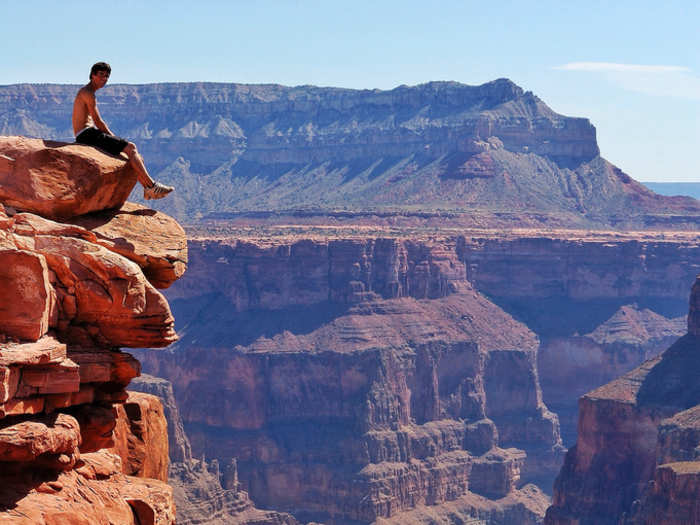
point(419, 391)
point(204, 491)
point(363, 340)
point(75, 448)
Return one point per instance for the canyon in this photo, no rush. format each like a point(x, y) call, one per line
point(400, 352)
point(636, 459)
point(393, 303)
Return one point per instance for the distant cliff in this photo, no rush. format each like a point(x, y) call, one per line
point(477, 151)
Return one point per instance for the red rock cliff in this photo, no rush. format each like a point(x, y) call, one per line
point(71, 297)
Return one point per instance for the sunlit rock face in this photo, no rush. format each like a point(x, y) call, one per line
point(636, 459)
point(60, 180)
point(74, 447)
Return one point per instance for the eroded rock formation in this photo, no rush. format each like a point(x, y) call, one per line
point(59, 180)
point(571, 366)
point(71, 298)
point(419, 390)
point(636, 459)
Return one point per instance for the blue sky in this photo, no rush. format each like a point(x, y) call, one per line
point(632, 68)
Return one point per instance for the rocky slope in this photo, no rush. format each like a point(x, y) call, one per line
point(490, 154)
point(74, 447)
point(636, 459)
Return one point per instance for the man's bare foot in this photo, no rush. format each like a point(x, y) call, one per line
point(157, 191)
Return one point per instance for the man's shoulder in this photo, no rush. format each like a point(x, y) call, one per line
point(85, 93)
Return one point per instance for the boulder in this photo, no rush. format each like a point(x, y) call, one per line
point(61, 180)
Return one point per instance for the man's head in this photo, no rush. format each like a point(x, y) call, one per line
point(100, 67)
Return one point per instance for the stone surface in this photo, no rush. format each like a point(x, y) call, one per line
point(89, 495)
point(70, 298)
point(571, 366)
point(96, 296)
point(141, 437)
point(45, 351)
point(622, 438)
point(28, 439)
point(151, 239)
point(671, 498)
point(384, 348)
point(60, 180)
point(203, 492)
point(24, 278)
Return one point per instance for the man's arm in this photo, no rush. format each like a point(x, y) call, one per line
point(91, 104)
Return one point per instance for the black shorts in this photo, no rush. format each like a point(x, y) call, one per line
point(100, 139)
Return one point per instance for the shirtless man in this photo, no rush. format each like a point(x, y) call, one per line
point(90, 129)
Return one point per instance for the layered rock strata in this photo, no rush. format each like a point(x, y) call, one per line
point(70, 301)
point(636, 457)
point(419, 390)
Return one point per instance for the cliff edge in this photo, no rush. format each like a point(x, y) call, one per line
point(75, 448)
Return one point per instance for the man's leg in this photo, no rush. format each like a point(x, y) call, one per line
point(151, 189)
point(137, 162)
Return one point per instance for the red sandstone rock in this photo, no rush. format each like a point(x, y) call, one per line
point(64, 285)
point(97, 423)
point(141, 437)
point(27, 298)
point(26, 440)
point(672, 498)
point(153, 240)
point(103, 298)
point(109, 294)
point(621, 441)
point(571, 366)
point(95, 493)
point(45, 351)
point(60, 180)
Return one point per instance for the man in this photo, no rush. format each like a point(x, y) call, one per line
point(90, 129)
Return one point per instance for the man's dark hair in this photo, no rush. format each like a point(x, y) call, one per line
point(100, 66)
